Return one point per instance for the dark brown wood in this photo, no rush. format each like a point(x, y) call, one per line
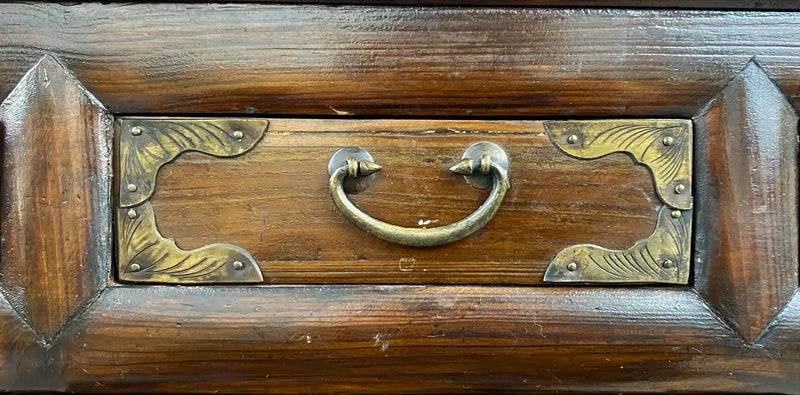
point(55, 196)
point(22, 360)
point(399, 61)
point(746, 256)
point(274, 201)
point(403, 339)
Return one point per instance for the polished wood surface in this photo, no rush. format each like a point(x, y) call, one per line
point(56, 181)
point(399, 61)
point(274, 202)
point(747, 191)
point(528, 63)
point(410, 339)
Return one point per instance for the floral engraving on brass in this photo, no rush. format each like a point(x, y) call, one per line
point(145, 145)
point(661, 258)
point(665, 148)
point(146, 256)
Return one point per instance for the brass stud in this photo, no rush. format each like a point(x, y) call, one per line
point(572, 266)
point(667, 264)
point(238, 135)
point(572, 139)
point(668, 140)
point(680, 188)
point(136, 130)
point(676, 213)
point(135, 267)
point(131, 213)
point(132, 188)
point(238, 265)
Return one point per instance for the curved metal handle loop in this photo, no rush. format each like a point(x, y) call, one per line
point(492, 163)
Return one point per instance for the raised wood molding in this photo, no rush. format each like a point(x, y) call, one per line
point(432, 339)
point(372, 61)
point(55, 197)
point(746, 245)
point(395, 338)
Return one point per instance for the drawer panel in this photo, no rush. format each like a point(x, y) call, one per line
point(274, 201)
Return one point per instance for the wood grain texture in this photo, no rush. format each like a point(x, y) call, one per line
point(23, 361)
point(402, 62)
point(746, 245)
point(399, 61)
point(411, 339)
point(274, 202)
point(690, 4)
point(55, 197)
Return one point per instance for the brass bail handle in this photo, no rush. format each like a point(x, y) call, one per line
point(483, 164)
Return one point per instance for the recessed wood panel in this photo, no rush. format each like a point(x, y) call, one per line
point(274, 201)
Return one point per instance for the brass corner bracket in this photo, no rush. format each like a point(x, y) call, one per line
point(665, 148)
point(145, 145)
point(661, 258)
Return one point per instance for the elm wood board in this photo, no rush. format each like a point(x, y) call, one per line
point(411, 339)
point(274, 201)
point(536, 63)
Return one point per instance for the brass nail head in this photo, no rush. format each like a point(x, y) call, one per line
point(572, 266)
point(131, 213)
point(132, 188)
point(238, 135)
point(238, 265)
point(463, 167)
point(676, 214)
point(366, 167)
point(668, 140)
point(136, 130)
point(680, 188)
point(135, 267)
point(572, 139)
point(667, 264)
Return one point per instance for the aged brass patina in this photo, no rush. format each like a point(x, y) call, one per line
point(146, 256)
point(143, 254)
point(480, 162)
point(661, 258)
point(664, 147)
point(146, 144)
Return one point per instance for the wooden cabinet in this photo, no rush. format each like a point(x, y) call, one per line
point(171, 223)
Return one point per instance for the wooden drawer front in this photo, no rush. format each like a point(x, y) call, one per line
point(167, 222)
point(274, 200)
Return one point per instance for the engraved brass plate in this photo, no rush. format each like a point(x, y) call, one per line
point(661, 258)
point(146, 256)
point(143, 254)
point(665, 148)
